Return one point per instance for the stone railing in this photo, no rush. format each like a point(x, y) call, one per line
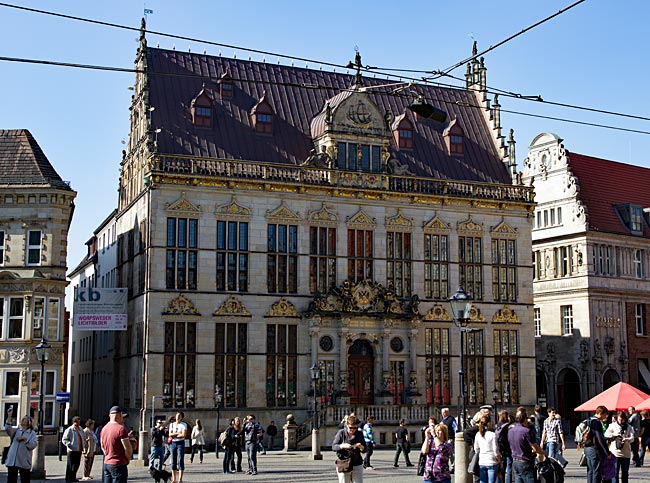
point(246, 170)
point(383, 413)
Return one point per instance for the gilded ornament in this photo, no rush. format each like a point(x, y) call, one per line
point(181, 306)
point(232, 306)
point(283, 308)
point(437, 312)
point(505, 316)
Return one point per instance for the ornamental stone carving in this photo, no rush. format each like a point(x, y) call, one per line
point(503, 230)
point(436, 225)
point(470, 226)
point(475, 314)
point(283, 308)
point(399, 222)
point(282, 214)
point(323, 217)
point(232, 306)
point(181, 305)
point(183, 207)
point(506, 316)
point(233, 211)
point(437, 312)
point(361, 220)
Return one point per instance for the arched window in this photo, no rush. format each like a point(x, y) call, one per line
point(202, 109)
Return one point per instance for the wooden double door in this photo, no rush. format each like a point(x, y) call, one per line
point(361, 373)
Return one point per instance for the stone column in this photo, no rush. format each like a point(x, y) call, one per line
point(290, 430)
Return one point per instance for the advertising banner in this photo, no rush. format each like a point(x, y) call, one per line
point(100, 308)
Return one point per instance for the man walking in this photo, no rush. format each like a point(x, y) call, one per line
point(523, 445)
point(75, 442)
point(251, 437)
point(402, 444)
point(595, 447)
point(635, 422)
point(552, 434)
point(117, 447)
point(369, 437)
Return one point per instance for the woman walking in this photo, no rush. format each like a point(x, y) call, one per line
point(237, 444)
point(620, 434)
point(177, 432)
point(438, 451)
point(198, 441)
point(229, 451)
point(23, 441)
point(90, 448)
point(485, 444)
point(350, 440)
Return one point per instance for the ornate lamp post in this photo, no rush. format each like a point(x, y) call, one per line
point(217, 402)
point(315, 444)
point(495, 398)
point(43, 355)
point(461, 304)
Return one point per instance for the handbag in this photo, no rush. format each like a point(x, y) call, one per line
point(344, 461)
point(422, 461)
point(583, 460)
point(5, 452)
point(407, 447)
point(473, 467)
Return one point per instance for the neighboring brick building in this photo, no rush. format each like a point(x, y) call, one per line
point(36, 208)
point(591, 253)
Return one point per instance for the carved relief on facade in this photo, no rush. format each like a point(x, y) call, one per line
point(283, 308)
point(324, 216)
point(437, 312)
point(14, 355)
point(475, 314)
point(503, 230)
point(232, 306)
point(282, 214)
point(506, 316)
point(181, 305)
point(183, 207)
point(399, 222)
point(361, 221)
point(233, 211)
point(469, 226)
point(436, 225)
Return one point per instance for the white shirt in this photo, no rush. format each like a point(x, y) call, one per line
point(487, 449)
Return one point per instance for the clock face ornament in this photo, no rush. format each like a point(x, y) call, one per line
point(326, 343)
point(396, 344)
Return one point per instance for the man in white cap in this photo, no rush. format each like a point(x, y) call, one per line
point(117, 447)
point(485, 410)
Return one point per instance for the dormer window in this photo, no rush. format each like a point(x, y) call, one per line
point(202, 109)
point(454, 138)
point(262, 116)
point(226, 87)
point(403, 132)
point(632, 217)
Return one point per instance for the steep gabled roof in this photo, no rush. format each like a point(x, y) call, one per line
point(22, 162)
point(606, 184)
point(291, 93)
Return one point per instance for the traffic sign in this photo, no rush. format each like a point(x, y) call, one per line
point(63, 397)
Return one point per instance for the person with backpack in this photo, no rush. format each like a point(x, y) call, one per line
point(504, 423)
point(620, 435)
point(595, 445)
point(552, 434)
point(644, 435)
point(521, 438)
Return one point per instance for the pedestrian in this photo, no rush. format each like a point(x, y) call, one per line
point(489, 458)
point(430, 421)
point(450, 422)
point(369, 437)
point(23, 441)
point(634, 421)
point(350, 440)
point(539, 418)
point(167, 440)
point(117, 447)
point(271, 432)
point(198, 441)
point(506, 421)
point(620, 434)
point(402, 444)
point(595, 446)
point(178, 430)
point(158, 436)
point(485, 410)
point(521, 438)
point(260, 439)
point(74, 441)
point(552, 435)
point(237, 445)
point(229, 453)
point(90, 448)
point(438, 451)
point(251, 439)
point(644, 435)
point(469, 435)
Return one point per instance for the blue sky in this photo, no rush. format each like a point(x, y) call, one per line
point(592, 55)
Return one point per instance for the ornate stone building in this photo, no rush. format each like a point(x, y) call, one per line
point(36, 208)
point(274, 217)
point(590, 252)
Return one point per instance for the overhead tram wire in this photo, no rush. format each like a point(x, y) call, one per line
point(311, 86)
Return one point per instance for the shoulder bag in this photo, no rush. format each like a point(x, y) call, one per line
point(473, 466)
point(422, 462)
point(344, 461)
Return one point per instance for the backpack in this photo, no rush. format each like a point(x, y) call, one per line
point(502, 439)
point(582, 433)
point(224, 438)
point(550, 471)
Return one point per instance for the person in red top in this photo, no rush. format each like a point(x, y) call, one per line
point(117, 447)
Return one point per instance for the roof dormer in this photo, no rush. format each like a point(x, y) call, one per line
point(262, 116)
point(402, 132)
point(454, 138)
point(202, 109)
point(632, 217)
point(226, 87)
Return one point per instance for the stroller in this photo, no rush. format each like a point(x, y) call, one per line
point(550, 470)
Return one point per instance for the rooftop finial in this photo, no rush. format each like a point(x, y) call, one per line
point(474, 48)
point(358, 81)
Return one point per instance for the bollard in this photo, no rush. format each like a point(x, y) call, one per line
point(461, 461)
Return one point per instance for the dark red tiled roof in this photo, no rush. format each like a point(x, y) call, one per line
point(605, 184)
point(233, 137)
point(22, 162)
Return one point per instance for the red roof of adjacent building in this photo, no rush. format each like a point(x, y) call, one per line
point(606, 184)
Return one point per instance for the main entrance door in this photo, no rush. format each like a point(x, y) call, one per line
point(361, 374)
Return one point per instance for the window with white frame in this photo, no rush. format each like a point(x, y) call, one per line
point(567, 319)
point(10, 396)
point(13, 315)
point(639, 317)
point(47, 312)
point(638, 263)
point(33, 248)
point(2, 248)
point(49, 394)
point(537, 321)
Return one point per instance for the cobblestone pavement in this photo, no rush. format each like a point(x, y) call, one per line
point(280, 467)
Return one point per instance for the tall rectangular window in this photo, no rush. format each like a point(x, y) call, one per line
point(397, 382)
point(232, 256)
point(506, 365)
point(475, 366)
point(639, 317)
point(504, 270)
point(638, 263)
point(538, 265)
point(470, 265)
point(16, 321)
point(2, 248)
point(49, 394)
point(46, 318)
point(398, 262)
point(438, 366)
point(360, 255)
point(231, 351)
point(326, 383)
point(322, 258)
point(436, 266)
point(10, 397)
point(182, 253)
point(282, 258)
point(281, 365)
point(567, 319)
point(537, 321)
point(359, 157)
point(33, 248)
point(179, 371)
point(563, 261)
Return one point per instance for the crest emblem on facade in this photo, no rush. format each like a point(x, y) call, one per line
point(181, 306)
point(283, 308)
point(359, 113)
point(232, 306)
point(437, 312)
point(506, 316)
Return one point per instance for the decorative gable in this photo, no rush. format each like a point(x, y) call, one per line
point(454, 138)
point(437, 312)
point(475, 314)
point(506, 316)
point(183, 207)
point(470, 227)
point(323, 217)
point(262, 116)
point(399, 222)
point(282, 214)
point(234, 211)
point(181, 306)
point(283, 308)
point(503, 230)
point(232, 307)
point(436, 225)
point(202, 109)
point(361, 221)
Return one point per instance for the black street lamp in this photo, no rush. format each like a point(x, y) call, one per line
point(461, 304)
point(43, 355)
point(217, 402)
point(315, 445)
point(495, 398)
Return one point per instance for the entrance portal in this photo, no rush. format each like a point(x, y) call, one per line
point(361, 374)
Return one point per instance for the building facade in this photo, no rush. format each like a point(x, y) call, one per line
point(590, 256)
point(36, 208)
point(273, 218)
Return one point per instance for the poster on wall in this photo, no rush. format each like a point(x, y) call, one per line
point(99, 308)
